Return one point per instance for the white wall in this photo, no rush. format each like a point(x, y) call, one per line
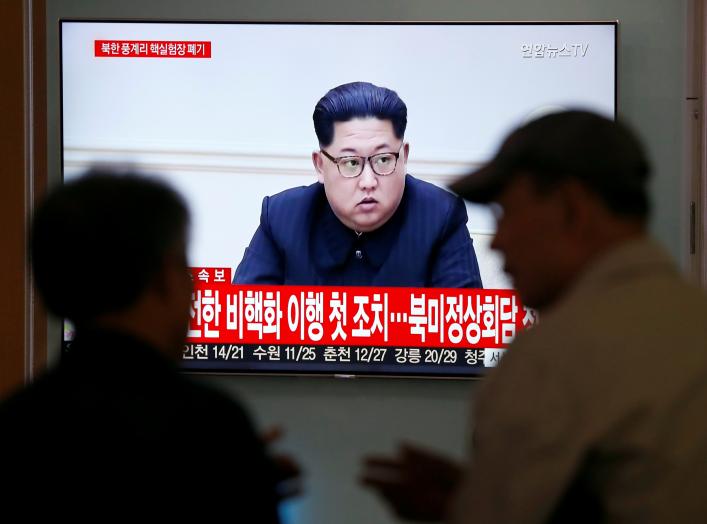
point(331, 423)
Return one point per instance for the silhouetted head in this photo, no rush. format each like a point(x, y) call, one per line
point(98, 243)
point(568, 186)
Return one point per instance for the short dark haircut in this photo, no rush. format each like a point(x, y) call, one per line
point(97, 242)
point(358, 100)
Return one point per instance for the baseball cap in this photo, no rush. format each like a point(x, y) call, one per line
point(602, 153)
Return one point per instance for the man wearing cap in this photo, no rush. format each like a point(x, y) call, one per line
point(598, 413)
point(365, 221)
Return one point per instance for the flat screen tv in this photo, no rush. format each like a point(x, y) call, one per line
point(223, 112)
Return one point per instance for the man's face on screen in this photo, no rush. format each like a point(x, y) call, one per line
point(367, 201)
point(531, 237)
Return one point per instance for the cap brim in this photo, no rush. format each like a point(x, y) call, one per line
point(481, 186)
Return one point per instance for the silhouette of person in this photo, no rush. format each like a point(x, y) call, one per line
point(597, 413)
point(109, 253)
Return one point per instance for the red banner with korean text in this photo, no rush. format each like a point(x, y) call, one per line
point(222, 312)
point(151, 49)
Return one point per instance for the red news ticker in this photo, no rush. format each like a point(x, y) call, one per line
point(222, 312)
point(152, 49)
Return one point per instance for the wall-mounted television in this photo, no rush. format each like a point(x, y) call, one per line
point(224, 112)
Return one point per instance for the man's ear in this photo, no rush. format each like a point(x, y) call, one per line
point(406, 151)
point(169, 276)
point(162, 279)
point(318, 162)
point(579, 206)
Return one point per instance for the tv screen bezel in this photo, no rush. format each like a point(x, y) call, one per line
point(315, 373)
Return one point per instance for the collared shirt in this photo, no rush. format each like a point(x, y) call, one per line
point(342, 251)
point(598, 413)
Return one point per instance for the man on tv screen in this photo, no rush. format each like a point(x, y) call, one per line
point(365, 222)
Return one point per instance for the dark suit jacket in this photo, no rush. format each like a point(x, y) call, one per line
point(300, 241)
point(116, 425)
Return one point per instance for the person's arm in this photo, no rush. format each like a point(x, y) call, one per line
point(527, 447)
point(240, 474)
point(416, 483)
point(455, 263)
point(262, 262)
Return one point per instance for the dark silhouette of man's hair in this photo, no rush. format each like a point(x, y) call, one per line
point(97, 242)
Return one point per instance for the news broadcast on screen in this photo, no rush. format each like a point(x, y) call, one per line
point(315, 160)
